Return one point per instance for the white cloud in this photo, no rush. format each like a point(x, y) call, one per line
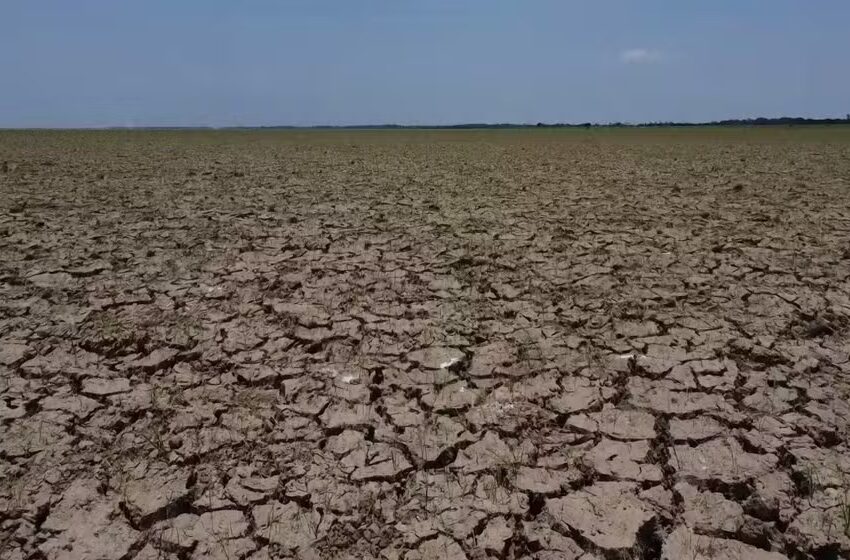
point(639, 56)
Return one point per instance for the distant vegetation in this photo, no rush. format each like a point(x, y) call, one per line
point(760, 121)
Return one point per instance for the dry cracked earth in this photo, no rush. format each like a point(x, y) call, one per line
point(427, 345)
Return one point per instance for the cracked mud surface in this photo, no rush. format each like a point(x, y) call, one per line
point(430, 345)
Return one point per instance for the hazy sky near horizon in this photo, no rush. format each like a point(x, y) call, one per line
point(264, 62)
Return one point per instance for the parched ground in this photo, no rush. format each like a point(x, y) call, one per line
point(425, 345)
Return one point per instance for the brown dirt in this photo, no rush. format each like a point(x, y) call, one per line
point(441, 345)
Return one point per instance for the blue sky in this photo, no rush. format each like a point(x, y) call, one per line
point(252, 62)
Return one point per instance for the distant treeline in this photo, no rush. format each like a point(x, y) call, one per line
point(760, 121)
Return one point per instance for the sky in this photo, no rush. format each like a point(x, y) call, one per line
point(96, 63)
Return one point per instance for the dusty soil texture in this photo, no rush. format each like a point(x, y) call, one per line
point(425, 345)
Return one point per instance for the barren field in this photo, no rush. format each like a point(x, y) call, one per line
point(425, 345)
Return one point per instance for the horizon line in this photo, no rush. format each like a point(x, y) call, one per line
point(763, 121)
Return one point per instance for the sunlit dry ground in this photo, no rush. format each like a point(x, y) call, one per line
point(553, 344)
